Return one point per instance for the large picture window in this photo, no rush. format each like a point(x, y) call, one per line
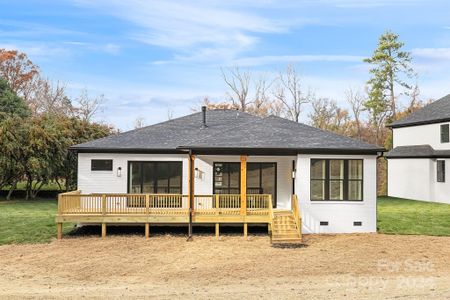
point(261, 178)
point(336, 180)
point(155, 177)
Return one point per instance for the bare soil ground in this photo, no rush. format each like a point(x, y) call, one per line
point(354, 266)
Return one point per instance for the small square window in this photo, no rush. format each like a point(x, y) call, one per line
point(440, 171)
point(445, 133)
point(101, 165)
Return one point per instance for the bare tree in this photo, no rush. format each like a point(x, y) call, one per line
point(261, 104)
point(239, 83)
point(290, 93)
point(327, 115)
point(356, 102)
point(139, 122)
point(169, 114)
point(50, 98)
point(88, 107)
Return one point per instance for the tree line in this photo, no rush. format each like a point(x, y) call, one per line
point(38, 124)
point(368, 108)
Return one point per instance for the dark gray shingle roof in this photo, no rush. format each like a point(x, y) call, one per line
point(278, 133)
point(438, 111)
point(417, 151)
point(229, 129)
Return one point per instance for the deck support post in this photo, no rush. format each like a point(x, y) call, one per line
point(103, 230)
point(59, 230)
point(191, 180)
point(147, 230)
point(245, 230)
point(243, 185)
point(217, 230)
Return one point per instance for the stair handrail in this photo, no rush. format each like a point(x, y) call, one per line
point(296, 212)
point(271, 215)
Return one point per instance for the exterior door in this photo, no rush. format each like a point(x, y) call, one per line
point(261, 178)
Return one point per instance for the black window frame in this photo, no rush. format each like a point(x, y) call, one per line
point(346, 180)
point(274, 200)
point(108, 168)
point(440, 170)
point(155, 179)
point(445, 133)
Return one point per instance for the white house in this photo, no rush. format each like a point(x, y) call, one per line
point(420, 157)
point(229, 154)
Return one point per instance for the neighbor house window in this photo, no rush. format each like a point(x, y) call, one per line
point(336, 179)
point(441, 171)
point(101, 165)
point(155, 177)
point(445, 133)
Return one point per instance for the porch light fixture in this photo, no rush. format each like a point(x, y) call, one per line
point(119, 172)
point(198, 174)
point(293, 174)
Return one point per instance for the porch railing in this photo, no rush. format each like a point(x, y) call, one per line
point(75, 203)
point(296, 212)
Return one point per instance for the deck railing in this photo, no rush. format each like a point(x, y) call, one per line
point(75, 203)
point(296, 212)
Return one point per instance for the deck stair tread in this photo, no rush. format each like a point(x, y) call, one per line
point(285, 229)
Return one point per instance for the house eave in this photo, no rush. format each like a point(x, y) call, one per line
point(442, 120)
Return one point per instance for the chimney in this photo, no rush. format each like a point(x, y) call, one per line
point(204, 117)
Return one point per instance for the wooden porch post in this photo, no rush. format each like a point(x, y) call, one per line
point(243, 184)
point(191, 191)
point(59, 230)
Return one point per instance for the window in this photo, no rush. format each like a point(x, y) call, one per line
point(227, 177)
point(101, 165)
point(440, 171)
point(445, 133)
point(336, 180)
point(155, 177)
point(261, 178)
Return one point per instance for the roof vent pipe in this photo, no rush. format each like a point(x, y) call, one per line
point(204, 117)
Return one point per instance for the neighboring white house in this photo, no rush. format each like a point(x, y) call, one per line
point(333, 176)
point(420, 158)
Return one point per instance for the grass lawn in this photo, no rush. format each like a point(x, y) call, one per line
point(33, 221)
point(400, 216)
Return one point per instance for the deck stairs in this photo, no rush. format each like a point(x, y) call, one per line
point(285, 229)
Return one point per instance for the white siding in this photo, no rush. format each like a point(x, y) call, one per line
point(417, 179)
point(429, 134)
point(108, 181)
point(340, 215)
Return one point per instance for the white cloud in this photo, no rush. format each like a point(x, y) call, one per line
point(195, 30)
point(432, 53)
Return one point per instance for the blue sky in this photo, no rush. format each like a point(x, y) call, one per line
point(151, 57)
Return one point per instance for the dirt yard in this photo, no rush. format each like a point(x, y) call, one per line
point(356, 266)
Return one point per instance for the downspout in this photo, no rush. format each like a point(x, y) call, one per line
point(191, 195)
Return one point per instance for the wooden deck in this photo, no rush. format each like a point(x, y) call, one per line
point(150, 209)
